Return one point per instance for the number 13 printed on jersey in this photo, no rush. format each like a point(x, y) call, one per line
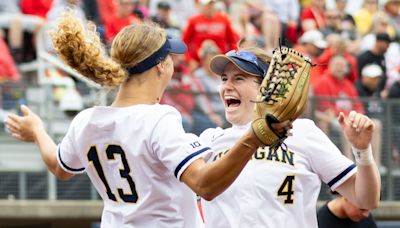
point(111, 151)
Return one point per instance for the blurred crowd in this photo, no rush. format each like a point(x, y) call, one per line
point(357, 52)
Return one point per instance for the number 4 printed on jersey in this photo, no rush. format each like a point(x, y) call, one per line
point(286, 189)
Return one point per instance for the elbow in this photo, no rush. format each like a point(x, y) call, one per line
point(62, 175)
point(208, 196)
point(370, 205)
point(208, 193)
point(374, 204)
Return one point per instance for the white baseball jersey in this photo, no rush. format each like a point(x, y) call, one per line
point(276, 189)
point(135, 156)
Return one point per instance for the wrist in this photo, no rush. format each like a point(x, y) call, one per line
point(363, 156)
point(251, 140)
point(38, 132)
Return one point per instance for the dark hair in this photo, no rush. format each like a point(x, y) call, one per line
point(163, 5)
point(383, 37)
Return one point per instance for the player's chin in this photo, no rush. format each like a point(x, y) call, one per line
point(231, 117)
point(236, 117)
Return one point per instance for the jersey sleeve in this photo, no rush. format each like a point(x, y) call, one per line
point(67, 154)
point(175, 148)
point(327, 161)
point(209, 135)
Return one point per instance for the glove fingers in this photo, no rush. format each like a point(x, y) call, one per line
point(297, 96)
point(303, 96)
point(283, 94)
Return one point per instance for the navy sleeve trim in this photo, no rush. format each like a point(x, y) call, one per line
point(179, 167)
point(67, 167)
point(341, 175)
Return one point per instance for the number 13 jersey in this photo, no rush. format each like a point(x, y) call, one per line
point(135, 156)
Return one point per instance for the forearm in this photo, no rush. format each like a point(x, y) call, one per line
point(48, 151)
point(212, 179)
point(363, 188)
point(367, 187)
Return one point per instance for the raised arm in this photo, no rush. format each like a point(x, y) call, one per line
point(363, 188)
point(29, 128)
point(211, 179)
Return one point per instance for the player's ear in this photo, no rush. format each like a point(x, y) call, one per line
point(160, 68)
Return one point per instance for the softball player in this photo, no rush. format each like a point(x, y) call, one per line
point(280, 188)
point(135, 151)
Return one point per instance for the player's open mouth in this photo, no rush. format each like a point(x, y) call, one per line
point(232, 102)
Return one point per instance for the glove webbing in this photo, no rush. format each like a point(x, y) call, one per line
point(278, 87)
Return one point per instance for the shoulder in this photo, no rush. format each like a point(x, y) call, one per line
point(211, 133)
point(305, 129)
point(349, 84)
point(303, 124)
point(83, 115)
point(164, 114)
point(222, 16)
point(165, 109)
point(322, 83)
point(194, 18)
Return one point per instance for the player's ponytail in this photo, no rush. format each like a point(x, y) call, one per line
point(81, 48)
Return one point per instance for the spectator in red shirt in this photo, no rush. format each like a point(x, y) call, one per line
point(312, 44)
point(334, 85)
point(337, 45)
point(36, 7)
point(8, 70)
point(208, 24)
point(121, 18)
point(107, 9)
point(313, 16)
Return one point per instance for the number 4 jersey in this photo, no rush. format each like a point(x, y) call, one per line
point(135, 156)
point(276, 189)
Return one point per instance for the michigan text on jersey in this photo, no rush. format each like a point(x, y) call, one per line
point(265, 153)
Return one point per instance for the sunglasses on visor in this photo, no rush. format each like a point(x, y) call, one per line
point(248, 57)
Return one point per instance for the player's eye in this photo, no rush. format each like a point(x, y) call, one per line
point(224, 78)
point(239, 77)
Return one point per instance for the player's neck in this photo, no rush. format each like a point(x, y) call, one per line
point(146, 88)
point(128, 96)
point(129, 101)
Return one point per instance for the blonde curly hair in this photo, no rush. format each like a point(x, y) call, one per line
point(80, 47)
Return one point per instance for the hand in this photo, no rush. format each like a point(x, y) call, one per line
point(24, 127)
point(357, 128)
point(283, 128)
point(384, 93)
